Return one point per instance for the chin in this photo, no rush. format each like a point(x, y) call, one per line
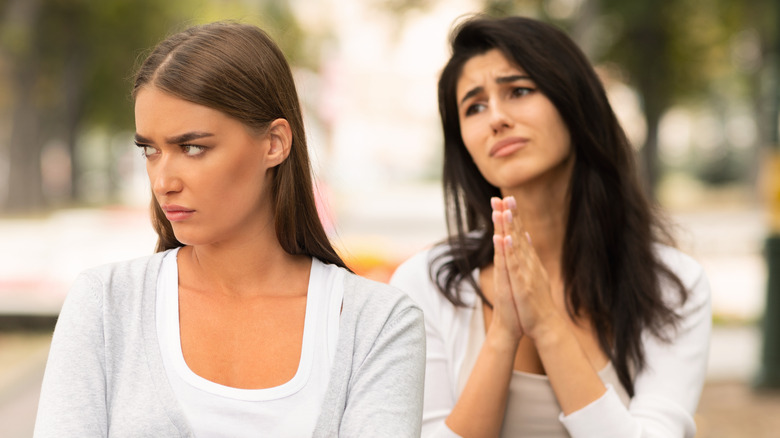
point(187, 238)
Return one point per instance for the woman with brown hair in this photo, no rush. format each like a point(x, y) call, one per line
point(245, 322)
point(554, 308)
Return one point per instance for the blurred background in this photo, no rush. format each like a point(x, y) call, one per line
point(694, 82)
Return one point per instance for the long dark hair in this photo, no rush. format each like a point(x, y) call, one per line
point(237, 69)
point(609, 265)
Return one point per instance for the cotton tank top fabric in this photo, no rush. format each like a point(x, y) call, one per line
point(291, 409)
point(532, 411)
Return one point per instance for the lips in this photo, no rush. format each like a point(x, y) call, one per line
point(176, 213)
point(507, 146)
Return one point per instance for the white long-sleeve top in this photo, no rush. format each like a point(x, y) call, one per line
point(667, 390)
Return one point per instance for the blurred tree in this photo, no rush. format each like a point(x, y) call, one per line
point(760, 59)
point(16, 42)
point(70, 65)
point(671, 51)
point(768, 376)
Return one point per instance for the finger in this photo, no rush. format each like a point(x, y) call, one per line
point(498, 224)
point(513, 226)
point(504, 306)
point(510, 203)
point(514, 267)
point(497, 204)
point(500, 272)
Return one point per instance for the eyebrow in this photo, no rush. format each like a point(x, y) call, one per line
point(178, 139)
point(500, 80)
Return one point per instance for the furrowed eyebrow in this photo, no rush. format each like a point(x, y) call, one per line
point(141, 139)
point(178, 139)
point(184, 138)
point(507, 79)
point(471, 93)
point(501, 80)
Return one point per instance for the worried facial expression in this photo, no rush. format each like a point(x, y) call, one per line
point(512, 131)
point(208, 171)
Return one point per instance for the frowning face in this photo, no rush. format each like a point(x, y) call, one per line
point(208, 171)
point(513, 132)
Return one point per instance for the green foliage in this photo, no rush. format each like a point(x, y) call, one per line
point(93, 48)
point(505, 8)
point(87, 52)
point(69, 66)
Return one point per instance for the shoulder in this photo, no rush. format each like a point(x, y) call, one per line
point(416, 276)
point(111, 281)
point(127, 268)
point(375, 300)
point(683, 265)
point(421, 265)
point(689, 271)
point(374, 312)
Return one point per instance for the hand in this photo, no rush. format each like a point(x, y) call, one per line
point(504, 307)
point(527, 277)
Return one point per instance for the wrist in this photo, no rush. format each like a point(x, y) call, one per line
point(551, 332)
point(501, 338)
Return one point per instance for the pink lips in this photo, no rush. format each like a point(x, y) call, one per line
point(176, 213)
point(507, 146)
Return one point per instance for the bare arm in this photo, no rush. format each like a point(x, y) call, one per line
point(479, 411)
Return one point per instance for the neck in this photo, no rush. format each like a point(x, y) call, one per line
point(250, 265)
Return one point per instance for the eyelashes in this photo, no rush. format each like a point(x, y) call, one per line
point(192, 150)
point(144, 149)
point(513, 93)
point(189, 150)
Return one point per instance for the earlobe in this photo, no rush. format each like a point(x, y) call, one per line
point(280, 139)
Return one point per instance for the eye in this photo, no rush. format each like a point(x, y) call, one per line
point(521, 91)
point(192, 150)
point(474, 108)
point(146, 150)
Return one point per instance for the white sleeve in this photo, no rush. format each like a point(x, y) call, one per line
point(439, 394)
point(668, 388)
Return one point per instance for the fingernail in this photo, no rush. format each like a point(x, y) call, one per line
point(508, 241)
point(494, 202)
point(496, 239)
point(510, 202)
point(507, 215)
point(496, 216)
point(528, 236)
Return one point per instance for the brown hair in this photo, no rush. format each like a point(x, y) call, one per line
point(237, 69)
point(609, 266)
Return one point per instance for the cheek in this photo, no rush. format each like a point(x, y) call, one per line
point(245, 177)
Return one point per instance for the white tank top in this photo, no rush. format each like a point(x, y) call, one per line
point(532, 409)
point(287, 410)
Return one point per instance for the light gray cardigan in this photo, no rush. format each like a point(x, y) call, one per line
point(105, 374)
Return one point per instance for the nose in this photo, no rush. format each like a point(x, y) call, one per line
point(164, 176)
point(499, 119)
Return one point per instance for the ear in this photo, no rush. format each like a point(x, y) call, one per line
point(279, 136)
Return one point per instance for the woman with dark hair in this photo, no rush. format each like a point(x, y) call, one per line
point(245, 322)
point(557, 307)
